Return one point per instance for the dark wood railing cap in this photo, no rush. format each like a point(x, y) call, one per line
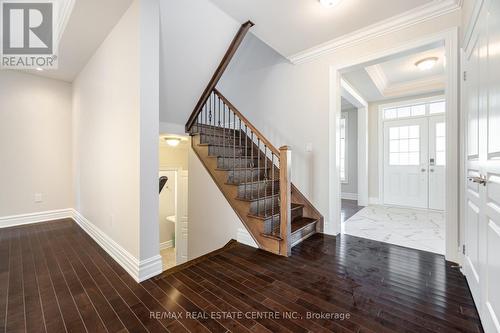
point(233, 47)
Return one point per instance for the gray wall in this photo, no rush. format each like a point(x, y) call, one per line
point(194, 35)
point(35, 144)
point(352, 152)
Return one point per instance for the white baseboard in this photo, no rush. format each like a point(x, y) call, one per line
point(244, 237)
point(373, 201)
point(166, 245)
point(139, 270)
point(50, 215)
point(349, 196)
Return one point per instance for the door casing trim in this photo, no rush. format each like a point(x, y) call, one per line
point(452, 212)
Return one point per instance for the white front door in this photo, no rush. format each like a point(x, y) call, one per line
point(437, 162)
point(482, 194)
point(405, 162)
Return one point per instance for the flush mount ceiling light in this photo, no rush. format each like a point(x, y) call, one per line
point(427, 63)
point(174, 142)
point(329, 3)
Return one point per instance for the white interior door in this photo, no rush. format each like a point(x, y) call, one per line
point(405, 162)
point(473, 201)
point(437, 162)
point(181, 227)
point(482, 199)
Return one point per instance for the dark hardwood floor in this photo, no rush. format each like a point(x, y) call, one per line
point(55, 278)
point(349, 208)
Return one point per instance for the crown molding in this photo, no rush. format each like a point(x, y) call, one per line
point(378, 77)
point(469, 29)
point(412, 17)
point(64, 11)
point(419, 86)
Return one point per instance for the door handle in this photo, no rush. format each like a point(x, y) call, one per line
point(423, 169)
point(481, 180)
point(432, 170)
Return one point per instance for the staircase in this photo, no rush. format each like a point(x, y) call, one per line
point(253, 175)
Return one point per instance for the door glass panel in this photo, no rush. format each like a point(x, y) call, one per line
point(414, 132)
point(404, 132)
point(440, 144)
point(404, 145)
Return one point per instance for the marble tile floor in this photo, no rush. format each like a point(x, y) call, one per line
point(168, 257)
point(414, 228)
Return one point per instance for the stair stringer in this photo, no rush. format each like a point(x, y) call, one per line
point(254, 226)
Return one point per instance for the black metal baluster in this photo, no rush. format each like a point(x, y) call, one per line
point(234, 147)
point(218, 111)
point(198, 124)
point(239, 140)
point(246, 160)
point(224, 134)
point(250, 165)
point(258, 177)
point(272, 190)
point(265, 181)
point(211, 116)
point(204, 119)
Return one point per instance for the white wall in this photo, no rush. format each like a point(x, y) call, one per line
point(352, 152)
point(149, 48)
point(212, 221)
point(290, 103)
point(174, 157)
point(195, 34)
point(106, 105)
point(35, 144)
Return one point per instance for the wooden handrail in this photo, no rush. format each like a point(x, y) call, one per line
point(218, 73)
point(248, 123)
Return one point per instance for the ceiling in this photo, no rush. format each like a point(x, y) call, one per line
point(292, 26)
point(399, 77)
point(85, 29)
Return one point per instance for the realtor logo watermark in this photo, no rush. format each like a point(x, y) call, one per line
point(28, 31)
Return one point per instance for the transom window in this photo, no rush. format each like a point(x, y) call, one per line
point(404, 145)
point(415, 110)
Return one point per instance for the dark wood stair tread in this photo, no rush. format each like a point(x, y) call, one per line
point(301, 222)
point(257, 199)
point(297, 224)
point(257, 182)
point(241, 169)
point(224, 146)
point(264, 216)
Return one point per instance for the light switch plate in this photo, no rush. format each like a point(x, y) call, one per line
point(309, 147)
point(38, 197)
